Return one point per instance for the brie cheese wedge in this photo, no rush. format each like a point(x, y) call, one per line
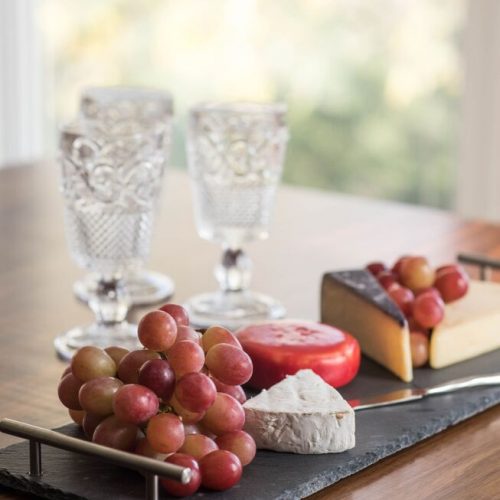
point(301, 414)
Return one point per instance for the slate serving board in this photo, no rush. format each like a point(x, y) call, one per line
point(379, 433)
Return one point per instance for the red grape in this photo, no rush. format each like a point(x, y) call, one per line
point(116, 353)
point(386, 279)
point(128, 369)
point(77, 416)
point(177, 489)
point(402, 296)
point(452, 282)
point(230, 364)
point(203, 430)
point(188, 333)
point(96, 395)
point(66, 371)
point(186, 357)
point(157, 331)
point(135, 404)
point(187, 417)
point(198, 445)
point(449, 267)
point(114, 433)
point(165, 433)
point(416, 273)
point(233, 390)
point(143, 448)
point(177, 312)
point(376, 268)
point(218, 335)
point(195, 392)
point(397, 266)
point(220, 470)
point(225, 415)
point(190, 428)
point(419, 344)
point(91, 362)
point(157, 375)
point(90, 422)
point(68, 392)
point(413, 326)
point(240, 443)
point(428, 310)
point(429, 289)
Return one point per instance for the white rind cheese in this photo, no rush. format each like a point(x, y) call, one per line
point(301, 414)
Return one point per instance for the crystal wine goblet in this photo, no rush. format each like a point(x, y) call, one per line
point(110, 185)
point(235, 157)
point(119, 110)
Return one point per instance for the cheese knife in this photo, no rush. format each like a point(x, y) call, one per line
point(414, 394)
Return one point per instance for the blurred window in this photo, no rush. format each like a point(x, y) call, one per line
point(373, 88)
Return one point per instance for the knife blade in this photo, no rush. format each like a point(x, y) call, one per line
point(412, 394)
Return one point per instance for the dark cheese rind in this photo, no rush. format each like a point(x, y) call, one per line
point(366, 286)
point(355, 302)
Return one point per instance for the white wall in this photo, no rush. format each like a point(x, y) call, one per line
point(478, 175)
point(21, 80)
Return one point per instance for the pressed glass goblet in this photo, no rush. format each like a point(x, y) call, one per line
point(110, 185)
point(235, 156)
point(115, 111)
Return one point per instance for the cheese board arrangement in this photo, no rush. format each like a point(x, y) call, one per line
point(280, 409)
point(380, 432)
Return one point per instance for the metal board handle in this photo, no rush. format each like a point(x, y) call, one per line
point(151, 467)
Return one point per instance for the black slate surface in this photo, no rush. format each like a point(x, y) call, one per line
point(380, 432)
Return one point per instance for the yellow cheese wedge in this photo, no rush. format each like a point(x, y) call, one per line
point(471, 326)
point(355, 302)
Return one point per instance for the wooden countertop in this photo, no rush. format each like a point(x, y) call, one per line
point(312, 232)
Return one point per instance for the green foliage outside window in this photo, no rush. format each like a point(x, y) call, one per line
point(373, 88)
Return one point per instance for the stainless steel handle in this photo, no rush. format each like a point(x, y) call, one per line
point(464, 383)
point(37, 435)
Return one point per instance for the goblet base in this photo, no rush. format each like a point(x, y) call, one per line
point(122, 334)
point(232, 309)
point(143, 287)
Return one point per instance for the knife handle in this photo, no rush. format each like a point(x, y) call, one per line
point(464, 383)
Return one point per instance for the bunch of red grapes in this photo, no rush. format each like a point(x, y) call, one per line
point(421, 292)
point(179, 399)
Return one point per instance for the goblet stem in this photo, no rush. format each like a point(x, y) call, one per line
point(234, 305)
point(234, 271)
point(110, 301)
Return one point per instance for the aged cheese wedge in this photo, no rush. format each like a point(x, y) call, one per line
point(355, 302)
point(301, 414)
point(471, 326)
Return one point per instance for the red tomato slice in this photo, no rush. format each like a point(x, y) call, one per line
point(283, 348)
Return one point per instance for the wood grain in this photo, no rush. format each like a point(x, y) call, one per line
point(312, 232)
point(461, 463)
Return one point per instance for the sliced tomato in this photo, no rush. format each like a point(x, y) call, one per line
point(283, 348)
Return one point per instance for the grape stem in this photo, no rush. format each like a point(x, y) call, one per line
point(166, 408)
